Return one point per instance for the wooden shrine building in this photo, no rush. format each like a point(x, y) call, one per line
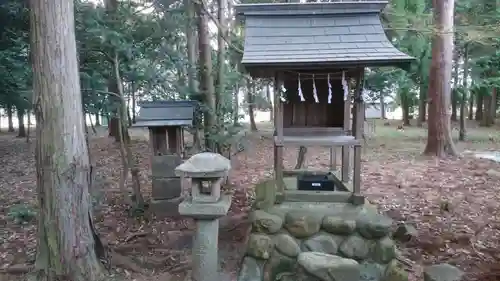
point(165, 121)
point(317, 54)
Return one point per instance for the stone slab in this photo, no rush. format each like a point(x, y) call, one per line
point(164, 165)
point(317, 196)
point(166, 188)
point(165, 208)
point(321, 208)
point(205, 210)
point(490, 155)
point(357, 199)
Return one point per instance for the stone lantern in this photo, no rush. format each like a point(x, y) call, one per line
point(207, 172)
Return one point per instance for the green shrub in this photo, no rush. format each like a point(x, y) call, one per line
point(21, 213)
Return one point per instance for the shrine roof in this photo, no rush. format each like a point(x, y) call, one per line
point(165, 113)
point(333, 34)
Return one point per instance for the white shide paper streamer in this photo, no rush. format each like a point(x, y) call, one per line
point(301, 95)
point(329, 89)
point(281, 96)
point(315, 92)
point(345, 86)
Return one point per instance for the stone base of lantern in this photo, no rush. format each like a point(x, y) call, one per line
point(205, 243)
point(205, 211)
point(165, 207)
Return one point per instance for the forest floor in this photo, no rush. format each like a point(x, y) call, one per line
point(454, 203)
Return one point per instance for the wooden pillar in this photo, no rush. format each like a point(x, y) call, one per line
point(347, 129)
point(333, 158)
point(174, 140)
point(278, 133)
point(158, 140)
point(359, 117)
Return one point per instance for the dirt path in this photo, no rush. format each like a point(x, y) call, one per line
point(405, 185)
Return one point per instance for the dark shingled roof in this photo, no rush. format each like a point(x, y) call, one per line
point(165, 113)
point(334, 34)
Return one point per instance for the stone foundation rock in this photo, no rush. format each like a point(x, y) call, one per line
point(309, 241)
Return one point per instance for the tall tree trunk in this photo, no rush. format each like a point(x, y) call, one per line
point(382, 106)
point(9, 117)
point(471, 105)
point(114, 122)
point(479, 105)
point(134, 102)
point(128, 159)
point(422, 105)
point(206, 78)
point(113, 130)
point(97, 119)
point(192, 80)
point(493, 106)
point(301, 157)
point(221, 60)
point(20, 119)
point(67, 245)
point(439, 140)
point(28, 129)
point(463, 130)
point(454, 92)
point(486, 120)
point(92, 127)
point(269, 99)
point(127, 107)
point(250, 103)
point(405, 107)
point(236, 106)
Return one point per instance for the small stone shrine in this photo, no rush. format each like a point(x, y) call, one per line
point(165, 121)
point(315, 225)
point(207, 171)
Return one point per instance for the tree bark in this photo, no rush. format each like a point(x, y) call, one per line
point(268, 96)
point(221, 61)
point(439, 139)
point(28, 118)
point(9, 118)
point(134, 102)
point(250, 103)
point(301, 157)
point(128, 160)
point(463, 130)
point(422, 107)
point(191, 71)
point(97, 120)
point(487, 114)
point(471, 105)
point(206, 78)
point(236, 106)
point(405, 107)
point(66, 237)
point(113, 130)
point(493, 107)
point(382, 107)
point(479, 105)
point(20, 119)
point(454, 92)
point(127, 111)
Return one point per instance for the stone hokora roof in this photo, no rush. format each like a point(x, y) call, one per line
point(302, 34)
